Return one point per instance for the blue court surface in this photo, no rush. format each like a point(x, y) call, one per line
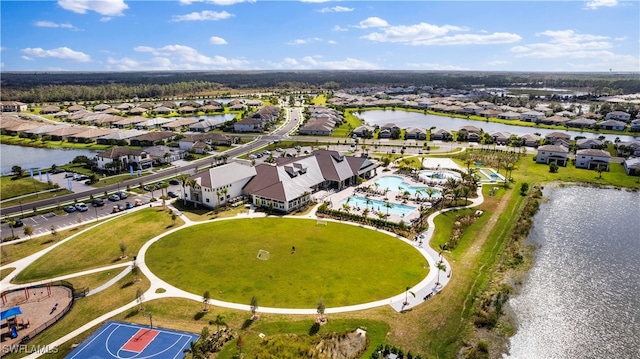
point(130, 341)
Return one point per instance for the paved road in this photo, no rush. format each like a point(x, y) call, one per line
point(293, 117)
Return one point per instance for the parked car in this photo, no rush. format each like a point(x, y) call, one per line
point(128, 205)
point(97, 202)
point(18, 223)
point(279, 149)
point(172, 194)
point(297, 147)
point(174, 182)
point(114, 198)
point(252, 156)
point(115, 209)
point(69, 209)
point(81, 207)
point(147, 188)
point(121, 194)
point(69, 175)
point(57, 170)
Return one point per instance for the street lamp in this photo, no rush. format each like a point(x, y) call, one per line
point(21, 214)
point(96, 208)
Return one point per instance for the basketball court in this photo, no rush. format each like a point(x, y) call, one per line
point(128, 341)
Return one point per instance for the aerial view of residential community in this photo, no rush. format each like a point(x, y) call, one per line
point(319, 179)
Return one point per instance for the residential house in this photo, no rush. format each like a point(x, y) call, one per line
point(47, 110)
point(123, 157)
point(389, 130)
point(556, 120)
point(75, 108)
point(152, 123)
point(248, 124)
point(162, 110)
point(90, 134)
point(217, 185)
point(614, 125)
point(509, 115)
point(137, 111)
point(548, 154)
point(316, 127)
point(13, 106)
point(566, 113)
point(62, 134)
point(101, 107)
point(530, 140)
point(635, 125)
point(585, 143)
point(18, 127)
point(632, 166)
point(43, 130)
point(415, 134)
point(558, 138)
point(125, 107)
point(500, 137)
point(628, 148)
point(581, 122)
point(364, 131)
point(129, 122)
point(210, 139)
point(532, 116)
point(118, 137)
point(178, 125)
point(618, 115)
point(592, 158)
point(164, 154)
point(205, 125)
point(441, 134)
point(152, 139)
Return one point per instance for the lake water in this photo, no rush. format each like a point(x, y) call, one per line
point(581, 298)
point(405, 119)
point(31, 157)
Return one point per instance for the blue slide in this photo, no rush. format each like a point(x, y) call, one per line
point(14, 332)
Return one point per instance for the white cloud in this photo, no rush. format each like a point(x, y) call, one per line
point(338, 28)
point(105, 19)
point(54, 25)
point(27, 58)
point(216, 2)
point(317, 63)
point(331, 42)
point(335, 9)
point(63, 53)
point(429, 34)
point(437, 67)
point(205, 15)
point(497, 63)
point(565, 43)
point(595, 4)
point(315, 1)
point(303, 41)
point(186, 58)
point(372, 22)
point(102, 7)
point(215, 40)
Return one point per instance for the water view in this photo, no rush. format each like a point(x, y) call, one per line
point(580, 299)
point(31, 157)
point(413, 119)
point(378, 206)
point(397, 184)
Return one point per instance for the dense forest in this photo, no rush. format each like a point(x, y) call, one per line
point(37, 87)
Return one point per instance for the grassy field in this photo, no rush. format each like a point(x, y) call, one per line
point(350, 124)
point(10, 187)
point(15, 140)
point(86, 309)
point(100, 246)
point(216, 257)
point(12, 252)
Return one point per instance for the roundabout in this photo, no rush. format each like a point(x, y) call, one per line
point(286, 262)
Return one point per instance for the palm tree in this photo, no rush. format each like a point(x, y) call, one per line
point(321, 309)
point(206, 297)
point(218, 321)
point(406, 295)
point(388, 205)
point(346, 207)
point(254, 307)
point(441, 267)
point(11, 222)
point(193, 184)
point(368, 202)
point(183, 178)
point(430, 192)
point(600, 169)
point(417, 193)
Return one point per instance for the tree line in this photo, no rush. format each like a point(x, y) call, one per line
point(38, 87)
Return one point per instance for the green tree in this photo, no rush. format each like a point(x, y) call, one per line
point(553, 167)
point(441, 268)
point(254, 308)
point(18, 172)
point(321, 308)
point(600, 169)
point(206, 297)
point(123, 249)
point(11, 223)
point(218, 321)
point(28, 231)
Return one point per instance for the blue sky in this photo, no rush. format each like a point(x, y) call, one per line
point(122, 35)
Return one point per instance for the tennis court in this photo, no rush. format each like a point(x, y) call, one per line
point(127, 341)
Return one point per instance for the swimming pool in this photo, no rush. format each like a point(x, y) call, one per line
point(393, 182)
point(379, 206)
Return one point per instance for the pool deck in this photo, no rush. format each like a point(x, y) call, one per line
point(336, 198)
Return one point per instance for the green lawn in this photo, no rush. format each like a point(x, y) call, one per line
point(99, 246)
point(350, 123)
point(340, 264)
point(10, 187)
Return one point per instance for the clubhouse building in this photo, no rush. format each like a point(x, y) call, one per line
point(284, 186)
